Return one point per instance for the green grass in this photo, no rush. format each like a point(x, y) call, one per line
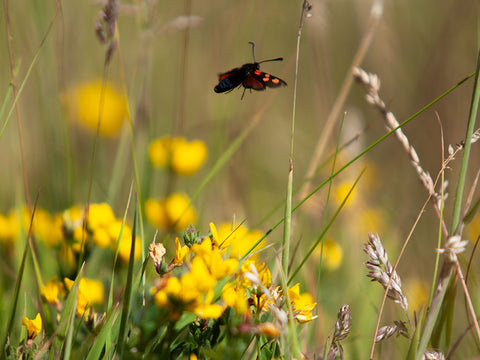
point(359, 178)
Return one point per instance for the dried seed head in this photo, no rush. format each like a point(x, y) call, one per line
point(381, 270)
point(455, 245)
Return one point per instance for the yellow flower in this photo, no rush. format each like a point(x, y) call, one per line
point(102, 238)
point(188, 157)
point(417, 293)
point(89, 292)
point(174, 210)
point(240, 239)
point(84, 102)
point(33, 326)
point(264, 275)
point(183, 157)
point(302, 304)
point(332, 254)
point(159, 151)
point(179, 211)
point(268, 329)
point(100, 215)
point(236, 297)
point(156, 214)
point(180, 252)
point(341, 191)
point(8, 228)
point(52, 291)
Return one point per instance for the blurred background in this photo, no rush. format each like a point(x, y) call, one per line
point(166, 64)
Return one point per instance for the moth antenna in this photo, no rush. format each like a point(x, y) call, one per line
point(277, 59)
point(253, 50)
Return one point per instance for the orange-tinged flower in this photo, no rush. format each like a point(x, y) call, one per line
point(188, 157)
point(84, 101)
point(268, 329)
point(33, 326)
point(52, 290)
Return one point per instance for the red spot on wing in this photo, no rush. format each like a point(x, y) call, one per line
point(257, 72)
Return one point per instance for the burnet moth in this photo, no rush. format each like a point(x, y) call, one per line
point(249, 76)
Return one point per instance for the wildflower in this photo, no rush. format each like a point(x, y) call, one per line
point(89, 292)
point(188, 157)
point(52, 290)
point(122, 235)
point(341, 192)
point(332, 254)
point(85, 100)
point(33, 326)
point(8, 228)
point(302, 304)
point(180, 252)
point(159, 151)
point(175, 210)
point(182, 156)
point(236, 297)
point(99, 216)
point(416, 289)
point(179, 211)
point(262, 276)
point(240, 239)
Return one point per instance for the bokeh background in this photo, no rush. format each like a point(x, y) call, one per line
point(167, 61)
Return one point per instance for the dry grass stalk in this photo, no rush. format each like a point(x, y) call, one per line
point(342, 329)
point(398, 328)
point(372, 85)
point(382, 271)
point(431, 354)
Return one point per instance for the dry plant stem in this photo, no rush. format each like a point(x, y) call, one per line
point(372, 84)
point(376, 12)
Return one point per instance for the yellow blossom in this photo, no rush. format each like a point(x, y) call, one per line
point(332, 254)
point(263, 271)
point(52, 290)
point(84, 103)
point(156, 214)
point(188, 157)
point(417, 293)
point(126, 246)
point(33, 326)
point(302, 304)
point(8, 228)
point(240, 240)
point(100, 215)
point(236, 297)
point(179, 211)
point(341, 191)
point(102, 238)
point(159, 151)
point(89, 292)
point(180, 252)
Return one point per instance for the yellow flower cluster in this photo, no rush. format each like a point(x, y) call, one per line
point(249, 291)
point(45, 227)
point(84, 101)
point(173, 211)
point(66, 229)
point(181, 156)
point(193, 291)
point(90, 292)
point(239, 239)
point(103, 227)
